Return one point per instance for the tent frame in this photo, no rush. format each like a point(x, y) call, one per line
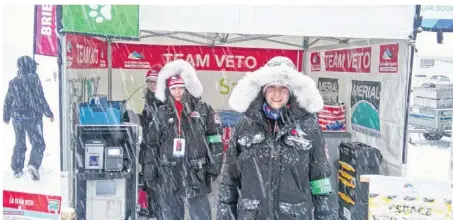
point(216, 39)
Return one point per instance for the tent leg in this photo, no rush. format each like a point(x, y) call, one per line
point(109, 66)
point(305, 46)
point(409, 80)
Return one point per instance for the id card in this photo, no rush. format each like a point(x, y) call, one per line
point(179, 147)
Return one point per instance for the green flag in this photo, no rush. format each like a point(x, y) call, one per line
point(109, 20)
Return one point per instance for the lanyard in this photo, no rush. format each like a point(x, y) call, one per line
point(179, 122)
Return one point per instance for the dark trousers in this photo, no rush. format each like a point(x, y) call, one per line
point(172, 208)
point(34, 129)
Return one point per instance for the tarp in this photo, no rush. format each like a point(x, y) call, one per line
point(372, 83)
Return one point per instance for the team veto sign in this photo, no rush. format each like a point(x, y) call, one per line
point(230, 59)
point(353, 60)
point(85, 52)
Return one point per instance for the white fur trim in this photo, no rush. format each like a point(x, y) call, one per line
point(278, 70)
point(188, 74)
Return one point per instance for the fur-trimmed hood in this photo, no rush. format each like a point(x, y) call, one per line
point(187, 73)
point(277, 70)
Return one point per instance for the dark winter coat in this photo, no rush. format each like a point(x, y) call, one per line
point(282, 174)
point(151, 105)
point(191, 174)
point(148, 113)
point(25, 98)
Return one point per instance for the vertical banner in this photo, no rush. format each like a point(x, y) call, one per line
point(106, 20)
point(398, 198)
point(45, 39)
point(365, 102)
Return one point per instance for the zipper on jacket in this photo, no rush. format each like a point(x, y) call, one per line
point(276, 159)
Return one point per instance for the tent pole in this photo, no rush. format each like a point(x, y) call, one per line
point(305, 46)
point(34, 30)
point(66, 126)
point(109, 69)
point(409, 80)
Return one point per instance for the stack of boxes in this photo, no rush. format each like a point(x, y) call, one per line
point(432, 108)
point(356, 159)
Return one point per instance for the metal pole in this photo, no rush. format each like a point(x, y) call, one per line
point(109, 66)
point(409, 80)
point(34, 31)
point(305, 45)
point(64, 105)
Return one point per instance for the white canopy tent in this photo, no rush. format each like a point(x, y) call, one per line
point(285, 27)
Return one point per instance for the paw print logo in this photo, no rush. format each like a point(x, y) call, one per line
point(100, 12)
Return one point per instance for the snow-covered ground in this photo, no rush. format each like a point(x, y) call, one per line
point(428, 159)
point(50, 183)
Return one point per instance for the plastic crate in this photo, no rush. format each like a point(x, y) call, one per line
point(95, 114)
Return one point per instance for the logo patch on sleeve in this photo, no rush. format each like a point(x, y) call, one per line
point(217, 118)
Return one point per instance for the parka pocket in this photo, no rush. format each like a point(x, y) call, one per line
point(248, 209)
point(248, 143)
point(298, 142)
point(299, 211)
point(198, 173)
point(168, 176)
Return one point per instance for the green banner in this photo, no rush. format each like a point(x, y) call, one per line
point(108, 20)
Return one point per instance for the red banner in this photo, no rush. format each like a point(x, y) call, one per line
point(357, 60)
point(31, 202)
point(85, 52)
point(45, 30)
point(388, 58)
point(315, 61)
point(138, 56)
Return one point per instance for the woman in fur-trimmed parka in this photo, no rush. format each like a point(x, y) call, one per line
point(186, 150)
point(276, 165)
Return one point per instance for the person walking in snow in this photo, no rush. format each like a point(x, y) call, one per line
point(277, 165)
point(149, 111)
point(25, 104)
point(187, 151)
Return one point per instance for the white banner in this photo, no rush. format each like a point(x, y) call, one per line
point(372, 81)
point(399, 198)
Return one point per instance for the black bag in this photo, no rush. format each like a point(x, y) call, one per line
point(356, 159)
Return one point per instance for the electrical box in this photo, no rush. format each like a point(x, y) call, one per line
point(113, 159)
point(94, 155)
point(106, 199)
point(106, 172)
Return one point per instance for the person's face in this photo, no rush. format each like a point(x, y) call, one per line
point(152, 85)
point(277, 96)
point(177, 92)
